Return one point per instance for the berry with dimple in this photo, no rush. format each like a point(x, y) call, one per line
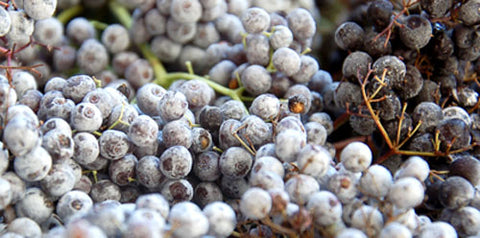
point(258, 48)
point(201, 140)
point(172, 105)
point(254, 130)
point(392, 67)
point(416, 32)
point(356, 64)
point(205, 166)
point(86, 117)
point(72, 204)
point(122, 171)
point(267, 180)
point(48, 31)
point(154, 201)
point(177, 133)
point(78, 86)
point(21, 145)
point(268, 163)
point(139, 73)
point(429, 113)
point(344, 185)
point(282, 36)
point(40, 9)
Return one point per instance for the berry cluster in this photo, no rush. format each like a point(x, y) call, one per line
point(102, 137)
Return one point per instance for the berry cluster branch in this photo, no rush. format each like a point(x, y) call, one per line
point(162, 77)
point(395, 146)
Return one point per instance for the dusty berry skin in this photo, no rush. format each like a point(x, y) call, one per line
point(104, 190)
point(148, 173)
point(207, 192)
point(143, 131)
point(417, 31)
point(221, 218)
point(176, 162)
point(198, 94)
point(178, 190)
point(286, 60)
point(33, 166)
point(92, 56)
point(172, 106)
point(348, 36)
point(73, 203)
point(177, 132)
point(21, 145)
point(86, 148)
point(86, 117)
point(235, 162)
point(113, 144)
point(122, 171)
point(255, 204)
point(466, 167)
point(59, 180)
point(35, 205)
point(456, 192)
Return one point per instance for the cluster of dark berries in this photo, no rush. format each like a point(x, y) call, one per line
point(210, 118)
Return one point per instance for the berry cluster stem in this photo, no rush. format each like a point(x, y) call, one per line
point(162, 77)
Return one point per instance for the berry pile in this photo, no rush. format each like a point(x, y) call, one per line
point(210, 118)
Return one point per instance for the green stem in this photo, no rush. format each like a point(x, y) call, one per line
point(157, 66)
point(68, 14)
point(99, 25)
point(121, 13)
point(234, 94)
